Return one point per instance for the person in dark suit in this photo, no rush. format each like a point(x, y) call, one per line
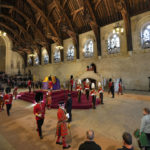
point(112, 89)
point(69, 107)
point(89, 144)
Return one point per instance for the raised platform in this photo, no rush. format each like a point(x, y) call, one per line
point(58, 96)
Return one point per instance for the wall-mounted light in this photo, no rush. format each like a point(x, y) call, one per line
point(31, 55)
point(2, 33)
point(59, 47)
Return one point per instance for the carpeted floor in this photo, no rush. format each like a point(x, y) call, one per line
point(61, 95)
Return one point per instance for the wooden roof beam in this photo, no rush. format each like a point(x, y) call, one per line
point(70, 31)
point(122, 7)
point(13, 32)
point(74, 13)
point(21, 28)
point(51, 7)
point(91, 19)
point(56, 37)
point(64, 3)
point(97, 4)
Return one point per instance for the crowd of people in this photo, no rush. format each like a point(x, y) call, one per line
point(19, 80)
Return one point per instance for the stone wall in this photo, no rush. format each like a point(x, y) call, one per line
point(133, 67)
point(2, 55)
point(11, 61)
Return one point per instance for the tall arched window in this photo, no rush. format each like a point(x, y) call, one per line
point(45, 56)
point(36, 59)
point(88, 49)
point(57, 56)
point(70, 53)
point(29, 60)
point(113, 44)
point(145, 36)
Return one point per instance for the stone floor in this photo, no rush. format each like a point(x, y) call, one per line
point(18, 132)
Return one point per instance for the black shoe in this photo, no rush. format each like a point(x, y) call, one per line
point(41, 137)
point(60, 143)
point(66, 147)
point(102, 103)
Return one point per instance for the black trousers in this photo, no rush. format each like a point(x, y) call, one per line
point(79, 96)
point(71, 87)
point(148, 137)
point(29, 87)
point(87, 94)
point(113, 93)
point(101, 97)
point(39, 124)
point(94, 101)
point(8, 107)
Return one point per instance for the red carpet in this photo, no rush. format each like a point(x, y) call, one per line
point(58, 96)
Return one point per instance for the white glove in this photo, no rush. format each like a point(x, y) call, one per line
point(39, 115)
point(67, 115)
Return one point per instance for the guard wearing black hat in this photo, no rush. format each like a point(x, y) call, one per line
point(8, 99)
point(39, 111)
point(69, 107)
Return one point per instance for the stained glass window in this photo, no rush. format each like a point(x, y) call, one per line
point(29, 61)
point(36, 59)
point(46, 59)
point(113, 44)
point(88, 49)
point(57, 56)
point(70, 53)
point(145, 37)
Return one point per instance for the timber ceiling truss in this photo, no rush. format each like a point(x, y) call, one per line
point(31, 24)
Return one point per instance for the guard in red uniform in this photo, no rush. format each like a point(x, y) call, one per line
point(8, 100)
point(39, 111)
point(62, 129)
point(93, 94)
point(120, 87)
point(50, 83)
point(87, 88)
point(29, 85)
point(49, 99)
point(109, 85)
point(79, 89)
point(100, 91)
point(71, 82)
point(15, 92)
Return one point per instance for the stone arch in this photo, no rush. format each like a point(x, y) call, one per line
point(137, 28)
point(10, 57)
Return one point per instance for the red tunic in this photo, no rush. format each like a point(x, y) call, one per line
point(120, 87)
point(29, 83)
point(100, 90)
point(79, 88)
point(39, 109)
point(71, 81)
point(50, 84)
point(8, 98)
point(49, 98)
point(86, 86)
point(93, 92)
point(61, 125)
point(15, 91)
point(110, 84)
